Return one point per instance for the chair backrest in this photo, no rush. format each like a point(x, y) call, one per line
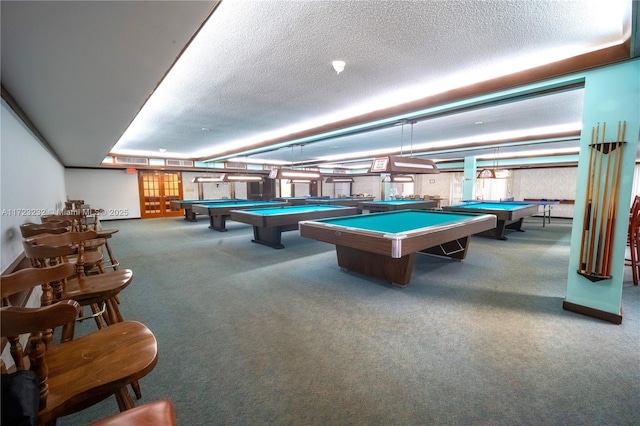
point(63, 239)
point(78, 220)
point(50, 249)
point(30, 229)
point(25, 279)
point(38, 323)
point(634, 218)
point(51, 280)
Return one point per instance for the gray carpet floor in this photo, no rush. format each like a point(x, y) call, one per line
point(249, 335)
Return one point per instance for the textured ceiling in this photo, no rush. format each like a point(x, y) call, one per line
point(259, 70)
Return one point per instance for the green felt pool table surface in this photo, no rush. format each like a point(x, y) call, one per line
point(269, 223)
point(189, 214)
point(220, 212)
point(398, 222)
point(388, 205)
point(231, 203)
point(284, 210)
point(492, 205)
point(509, 214)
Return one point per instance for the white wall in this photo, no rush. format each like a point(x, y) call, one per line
point(32, 183)
point(367, 185)
point(552, 183)
point(436, 184)
point(117, 192)
point(210, 190)
point(114, 191)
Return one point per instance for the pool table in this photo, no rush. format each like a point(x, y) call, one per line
point(269, 223)
point(389, 205)
point(295, 201)
point(385, 245)
point(186, 205)
point(343, 201)
point(509, 214)
point(219, 212)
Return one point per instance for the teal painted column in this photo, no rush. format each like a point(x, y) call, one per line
point(612, 95)
point(469, 185)
point(385, 188)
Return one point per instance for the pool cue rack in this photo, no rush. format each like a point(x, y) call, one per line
point(605, 164)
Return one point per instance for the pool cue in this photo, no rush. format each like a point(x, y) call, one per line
point(614, 202)
point(587, 211)
point(602, 232)
point(595, 204)
point(616, 185)
point(611, 210)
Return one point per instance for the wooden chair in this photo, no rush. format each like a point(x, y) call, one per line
point(77, 220)
point(158, 413)
point(93, 257)
point(633, 240)
point(31, 229)
point(97, 291)
point(105, 235)
point(69, 380)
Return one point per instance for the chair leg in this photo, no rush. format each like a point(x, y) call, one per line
point(124, 399)
point(635, 258)
point(113, 312)
point(135, 386)
point(97, 316)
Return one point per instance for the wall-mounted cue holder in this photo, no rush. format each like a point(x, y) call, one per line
point(605, 162)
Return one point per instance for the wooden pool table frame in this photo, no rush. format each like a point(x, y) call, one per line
point(189, 214)
point(506, 219)
point(382, 206)
point(391, 257)
point(268, 228)
point(218, 215)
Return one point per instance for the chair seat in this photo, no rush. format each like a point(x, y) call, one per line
point(91, 258)
point(158, 413)
point(94, 244)
point(106, 233)
point(99, 287)
point(103, 359)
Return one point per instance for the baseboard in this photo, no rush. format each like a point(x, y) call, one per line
point(591, 312)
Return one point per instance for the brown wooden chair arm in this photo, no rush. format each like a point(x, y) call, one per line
point(18, 320)
point(30, 277)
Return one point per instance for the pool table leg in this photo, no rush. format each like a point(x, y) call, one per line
point(189, 215)
point(218, 222)
point(396, 271)
point(500, 227)
point(269, 236)
point(517, 225)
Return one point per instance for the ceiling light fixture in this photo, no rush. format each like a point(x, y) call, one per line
point(337, 179)
point(398, 179)
point(294, 174)
point(293, 181)
point(242, 178)
point(400, 164)
point(206, 179)
point(493, 172)
point(338, 66)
